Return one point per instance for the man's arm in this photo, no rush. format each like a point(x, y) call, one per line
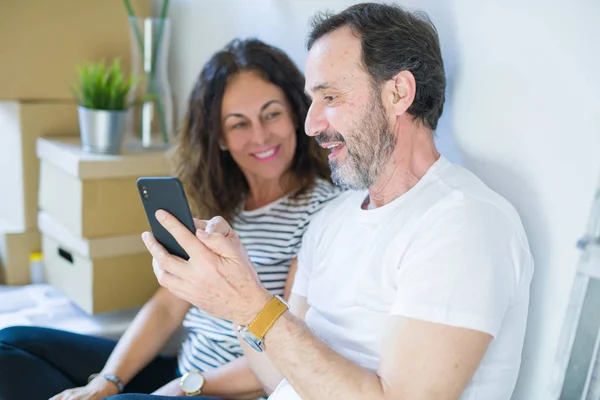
point(267, 373)
point(420, 361)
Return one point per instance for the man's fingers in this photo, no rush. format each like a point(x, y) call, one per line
point(167, 262)
point(186, 239)
point(219, 237)
point(157, 251)
point(219, 244)
point(165, 279)
point(182, 235)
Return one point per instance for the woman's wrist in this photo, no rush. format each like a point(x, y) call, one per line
point(217, 384)
point(212, 382)
point(104, 386)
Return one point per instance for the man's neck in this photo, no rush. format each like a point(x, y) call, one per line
point(414, 154)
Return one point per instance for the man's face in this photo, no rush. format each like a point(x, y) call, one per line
point(347, 115)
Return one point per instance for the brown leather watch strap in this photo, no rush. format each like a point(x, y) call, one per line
point(267, 317)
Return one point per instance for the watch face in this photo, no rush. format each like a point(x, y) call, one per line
point(252, 340)
point(192, 382)
point(253, 344)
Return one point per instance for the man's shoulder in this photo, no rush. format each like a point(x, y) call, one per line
point(465, 192)
point(460, 197)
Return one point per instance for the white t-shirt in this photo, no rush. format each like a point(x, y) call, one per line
point(449, 251)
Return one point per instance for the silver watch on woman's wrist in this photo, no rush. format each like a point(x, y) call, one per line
point(111, 378)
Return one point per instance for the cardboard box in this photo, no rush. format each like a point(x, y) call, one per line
point(21, 124)
point(95, 195)
point(42, 42)
point(15, 248)
point(99, 275)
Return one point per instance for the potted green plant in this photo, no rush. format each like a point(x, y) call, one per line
point(102, 93)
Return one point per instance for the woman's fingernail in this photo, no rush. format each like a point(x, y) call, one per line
point(161, 215)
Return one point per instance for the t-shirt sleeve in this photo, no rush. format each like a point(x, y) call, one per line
point(460, 271)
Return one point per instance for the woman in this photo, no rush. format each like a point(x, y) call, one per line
point(243, 154)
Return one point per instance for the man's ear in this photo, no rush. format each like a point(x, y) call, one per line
point(399, 92)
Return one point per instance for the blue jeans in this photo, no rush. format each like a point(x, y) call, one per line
point(38, 363)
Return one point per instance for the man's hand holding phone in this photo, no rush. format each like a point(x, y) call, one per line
point(218, 277)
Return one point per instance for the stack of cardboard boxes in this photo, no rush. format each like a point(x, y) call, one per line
point(21, 123)
point(91, 218)
point(41, 43)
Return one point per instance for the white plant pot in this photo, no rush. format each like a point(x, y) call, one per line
point(102, 131)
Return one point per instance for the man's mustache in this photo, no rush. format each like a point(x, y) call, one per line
point(329, 137)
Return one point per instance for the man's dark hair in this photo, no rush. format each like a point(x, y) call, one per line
point(393, 40)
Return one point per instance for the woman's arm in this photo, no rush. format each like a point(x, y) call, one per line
point(156, 322)
point(234, 380)
point(150, 330)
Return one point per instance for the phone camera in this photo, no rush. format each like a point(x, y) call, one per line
point(145, 192)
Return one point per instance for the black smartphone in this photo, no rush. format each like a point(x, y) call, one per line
point(166, 193)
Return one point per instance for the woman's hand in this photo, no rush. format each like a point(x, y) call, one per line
point(218, 278)
point(170, 389)
point(97, 389)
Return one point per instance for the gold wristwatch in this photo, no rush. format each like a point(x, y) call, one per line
point(191, 383)
point(254, 333)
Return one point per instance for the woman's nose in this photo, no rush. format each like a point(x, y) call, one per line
point(259, 133)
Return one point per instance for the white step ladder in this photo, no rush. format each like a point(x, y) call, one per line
point(576, 373)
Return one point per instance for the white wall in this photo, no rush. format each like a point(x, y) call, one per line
point(524, 97)
point(526, 102)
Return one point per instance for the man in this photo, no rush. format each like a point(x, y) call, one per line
point(415, 289)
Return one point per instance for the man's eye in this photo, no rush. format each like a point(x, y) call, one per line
point(329, 99)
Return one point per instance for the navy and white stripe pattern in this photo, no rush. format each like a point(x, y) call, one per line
point(272, 235)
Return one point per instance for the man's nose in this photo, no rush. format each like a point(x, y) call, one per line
point(315, 120)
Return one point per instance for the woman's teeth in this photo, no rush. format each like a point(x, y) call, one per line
point(265, 154)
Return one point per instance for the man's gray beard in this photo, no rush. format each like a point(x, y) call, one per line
point(369, 149)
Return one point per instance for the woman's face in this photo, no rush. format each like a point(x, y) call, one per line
point(258, 126)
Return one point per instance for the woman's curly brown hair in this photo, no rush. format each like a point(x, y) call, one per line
point(214, 183)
